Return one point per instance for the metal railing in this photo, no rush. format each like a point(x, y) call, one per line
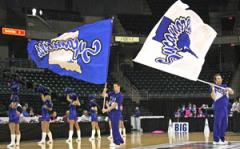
point(131, 90)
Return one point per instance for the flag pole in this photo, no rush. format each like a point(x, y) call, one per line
point(104, 98)
point(209, 83)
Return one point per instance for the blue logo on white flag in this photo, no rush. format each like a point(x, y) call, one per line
point(174, 35)
point(82, 53)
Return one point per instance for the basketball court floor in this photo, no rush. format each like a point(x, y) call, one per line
point(138, 140)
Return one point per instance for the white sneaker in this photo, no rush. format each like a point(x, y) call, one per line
point(78, 140)
point(49, 142)
point(91, 139)
point(41, 142)
point(109, 137)
point(11, 145)
point(113, 145)
point(68, 140)
point(17, 144)
point(223, 142)
point(215, 143)
point(99, 138)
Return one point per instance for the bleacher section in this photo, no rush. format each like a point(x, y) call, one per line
point(161, 83)
point(57, 84)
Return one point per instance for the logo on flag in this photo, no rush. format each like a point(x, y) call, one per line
point(178, 43)
point(82, 53)
point(175, 39)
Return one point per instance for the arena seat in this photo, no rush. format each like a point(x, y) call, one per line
point(158, 82)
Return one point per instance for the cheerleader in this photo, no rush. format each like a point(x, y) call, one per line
point(46, 108)
point(94, 119)
point(14, 115)
point(72, 118)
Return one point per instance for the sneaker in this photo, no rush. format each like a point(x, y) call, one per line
point(68, 140)
point(109, 137)
point(113, 145)
point(41, 142)
point(223, 142)
point(215, 143)
point(91, 139)
point(17, 144)
point(78, 140)
point(49, 142)
point(99, 138)
point(10, 145)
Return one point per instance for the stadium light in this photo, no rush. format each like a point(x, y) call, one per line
point(34, 11)
point(40, 12)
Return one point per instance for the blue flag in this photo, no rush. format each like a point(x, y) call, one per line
point(82, 53)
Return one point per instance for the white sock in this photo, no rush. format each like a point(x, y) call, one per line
point(18, 136)
point(93, 133)
point(124, 131)
point(43, 137)
point(110, 132)
point(13, 136)
point(79, 134)
point(50, 136)
point(70, 134)
point(120, 131)
point(99, 133)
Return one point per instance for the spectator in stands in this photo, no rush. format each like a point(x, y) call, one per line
point(53, 116)
point(85, 117)
point(235, 106)
point(31, 112)
point(190, 106)
point(24, 112)
point(188, 112)
point(178, 113)
point(205, 109)
point(183, 110)
point(194, 110)
point(200, 113)
point(25, 106)
point(137, 112)
point(236, 116)
point(65, 117)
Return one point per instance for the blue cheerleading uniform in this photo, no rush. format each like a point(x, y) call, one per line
point(93, 113)
point(12, 112)
point(115, 116)
point(72, 107)
point(220, 107)
point(13, 116)
point(45, 112)
point(72, 112)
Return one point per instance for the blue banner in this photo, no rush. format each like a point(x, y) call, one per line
point(82, 53)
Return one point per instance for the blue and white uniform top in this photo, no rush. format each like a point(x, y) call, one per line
point(118, 98)
point(222, 97)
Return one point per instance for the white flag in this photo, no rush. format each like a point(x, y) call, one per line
point(178, 43)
